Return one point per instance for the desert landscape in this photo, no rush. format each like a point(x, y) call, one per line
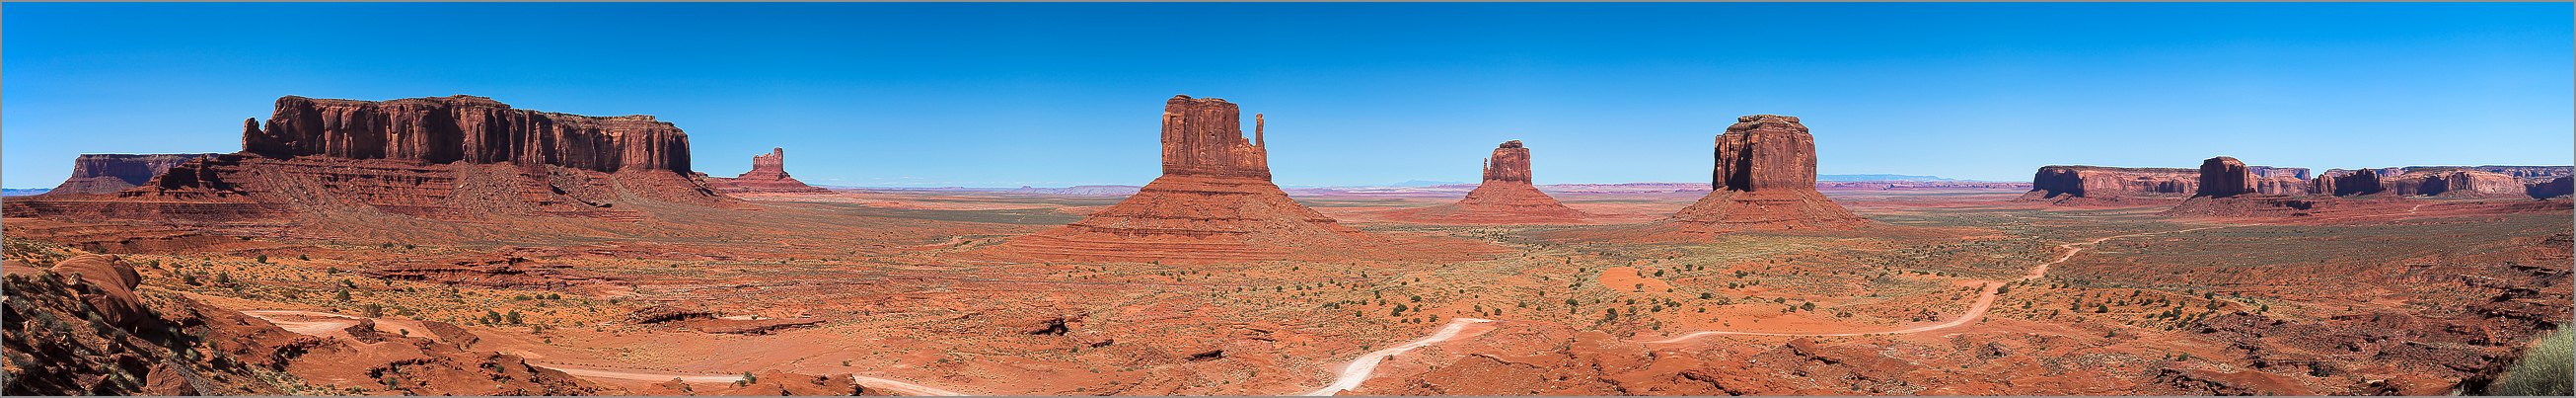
point(459, 245)
point(1274, 199)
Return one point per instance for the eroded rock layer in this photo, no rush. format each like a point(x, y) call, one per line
point(1765, 180)
point(768, 175)
point(1214, 202)
point(2085, 184)
point(2454, 182)
point(2228, 188)
point(468, 129)
point(2346, 183)
point(1506, 196)
point(324, 156)
point(107, 173)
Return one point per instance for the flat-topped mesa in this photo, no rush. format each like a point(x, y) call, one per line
point(1214, 202)
point(1765, 179)
point(2454, 182)
point(457, 158)
point(1505, 197)
point(2061, 184)
point(463, 128)
point(2296, 173)
point(107, 173)
point(1204, 137)
point(2554, 188)
point(2525, 173)
point(768, 174)
point(2223, 177)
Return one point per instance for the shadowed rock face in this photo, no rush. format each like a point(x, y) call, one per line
point(1765, 180)
point(2295, 173)
point(467, 129)
point(2225, 176)
point(2555, 187)
point(108, 173)
point(1214, 202)
point(2347, 183)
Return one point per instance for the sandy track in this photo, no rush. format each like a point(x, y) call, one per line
point(306, 322)
point(887, 384)
point(1360, 368)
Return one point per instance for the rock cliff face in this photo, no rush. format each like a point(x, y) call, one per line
point(2347, 183)
point(468, 129)
point(1214, 202)
point(1505, 197)
point(768, 175)
point(2228, 188)
point(2223, 177)
point(2525, 173)
point(2084, 184)
point(455, 158)
point(2454, 182)
point(108, 173)
point(2555, 187)
point(1765, 180)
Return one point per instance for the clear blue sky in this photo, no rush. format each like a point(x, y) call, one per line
point(1065, 94)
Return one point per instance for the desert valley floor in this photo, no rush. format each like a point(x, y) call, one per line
point(1954, 291)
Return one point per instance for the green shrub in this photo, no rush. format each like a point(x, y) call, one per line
point(2546, 368)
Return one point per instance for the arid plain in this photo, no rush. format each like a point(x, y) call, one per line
point(456, 245)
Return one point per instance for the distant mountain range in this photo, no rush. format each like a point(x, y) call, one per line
point(1878, 177)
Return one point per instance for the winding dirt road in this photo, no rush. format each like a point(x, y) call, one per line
point(887, 384)
point(1360, 368)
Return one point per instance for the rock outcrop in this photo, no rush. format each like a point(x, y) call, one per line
point(2454, 182)
point(1214, 202)
point(2347, 183)
point(108, 173)
point(2228, 188)
point(1765, 180)
point(469, 129)
point(2525, 173)
point(2090, 184)
point(2223, 177)
point(2295, 173)
point(457, 158)
point(1505, 197)
point(2555, 187)
point(768, 175)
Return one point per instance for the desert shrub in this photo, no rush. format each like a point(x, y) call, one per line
point(2546, 368)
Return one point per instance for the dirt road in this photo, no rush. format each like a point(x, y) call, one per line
point(1360, 368)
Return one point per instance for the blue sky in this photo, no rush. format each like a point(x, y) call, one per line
point(1066, 94)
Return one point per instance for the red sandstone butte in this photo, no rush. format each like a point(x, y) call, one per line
point(454, 158)
point(768, 175)
point(1505, 197)
point(2554, 188)
point(108, 173)
point(1214, 202)
point(1765, 180)
point(2228, 188)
